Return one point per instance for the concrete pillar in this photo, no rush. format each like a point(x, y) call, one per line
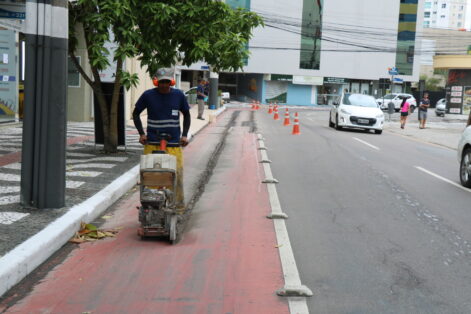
point(213, 90)
point(44, 124)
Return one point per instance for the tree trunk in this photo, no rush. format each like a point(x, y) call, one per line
point(113, 120)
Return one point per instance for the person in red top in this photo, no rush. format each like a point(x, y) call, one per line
point(405, 109)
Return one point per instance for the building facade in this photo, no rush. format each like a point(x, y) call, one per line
point(445, 14)
point(310, 51)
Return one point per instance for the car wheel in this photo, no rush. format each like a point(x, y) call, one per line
point(337, 126)
point(378, 131)
point(331, 124)
point(412, 108)
point(465, 168)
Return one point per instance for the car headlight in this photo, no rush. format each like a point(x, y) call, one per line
point(380, 116)
point(345, 111)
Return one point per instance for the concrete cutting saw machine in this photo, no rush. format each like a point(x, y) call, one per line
point(157, 213)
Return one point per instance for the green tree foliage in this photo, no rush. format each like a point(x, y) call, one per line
point(159, 34)
point(432, 83)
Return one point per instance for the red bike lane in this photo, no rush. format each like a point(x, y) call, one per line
point(226, 262)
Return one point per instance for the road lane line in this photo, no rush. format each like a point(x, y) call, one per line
point(293, 288)
point(366, 143)
point(443, 179)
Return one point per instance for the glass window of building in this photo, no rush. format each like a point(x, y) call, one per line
point(443, 5)
point(427, 5)
point(426, 14)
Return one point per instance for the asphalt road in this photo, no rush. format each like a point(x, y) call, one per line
point(373, 225)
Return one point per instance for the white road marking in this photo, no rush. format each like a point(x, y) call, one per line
point(288, 262)
point(7, 218)
point(9, 199)
point(366, 143)
point(71, 154)
point(9, 189)
point(443, 179)
point(83, 173)
point(10, 177)
point(14, 166)
point(81, 166)
point(73, 184)
point(118, 159)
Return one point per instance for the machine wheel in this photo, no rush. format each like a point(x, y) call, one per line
point(465, 168)
point(378, 131)
point(173, 229)
point(337, 126)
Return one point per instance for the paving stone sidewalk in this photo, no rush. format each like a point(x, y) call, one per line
point(88, 171)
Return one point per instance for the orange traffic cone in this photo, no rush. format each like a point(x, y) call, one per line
point(270, 109)
point(276, 116)
point(296, 125)
point(286, 122)
point(257, 105)
point(253, 106)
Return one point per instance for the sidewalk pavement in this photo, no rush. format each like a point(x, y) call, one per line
point(443, 131)
point(94, 181)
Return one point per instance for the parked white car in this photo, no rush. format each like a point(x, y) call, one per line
point(440, 107)
point(396, 99)
point(357, 111)
point(464, 157)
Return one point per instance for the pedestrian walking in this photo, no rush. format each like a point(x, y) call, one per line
point(200, 96)
point(164, 104)
point(423, 106)
point(405, 110)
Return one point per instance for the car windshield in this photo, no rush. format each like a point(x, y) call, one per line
point(359, 100)
point(389, 96)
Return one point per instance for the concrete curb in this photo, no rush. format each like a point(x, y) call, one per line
point(24, 258)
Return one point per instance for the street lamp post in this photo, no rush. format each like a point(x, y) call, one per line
point(44, 124)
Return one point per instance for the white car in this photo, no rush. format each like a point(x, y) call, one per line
point(440, 108)
point(464, 157)
point(357, 111)
point(396, 99)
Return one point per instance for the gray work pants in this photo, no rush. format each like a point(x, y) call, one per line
point(200, 108)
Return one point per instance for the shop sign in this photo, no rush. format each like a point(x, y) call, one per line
point(281, 77)
point(335, 80)
point(308, 80)
point(13, 9)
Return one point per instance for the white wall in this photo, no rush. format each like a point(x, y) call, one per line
point(379, 17)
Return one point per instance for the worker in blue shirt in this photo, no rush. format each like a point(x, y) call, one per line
point(164, 105)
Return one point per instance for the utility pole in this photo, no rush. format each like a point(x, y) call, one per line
point(213, 89)
point(44, 124)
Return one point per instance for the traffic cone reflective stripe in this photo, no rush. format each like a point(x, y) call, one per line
point(270, 109)
point(296, 125)
point(286, 122)
point(276, 116)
